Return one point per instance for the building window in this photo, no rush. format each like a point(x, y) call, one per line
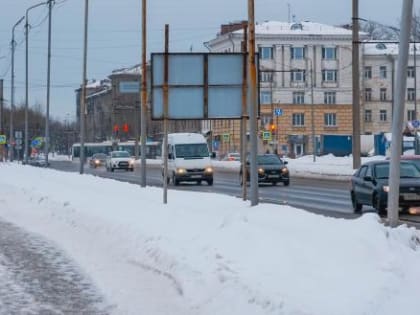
point(382, 115)
point(410, 72)
point(410, 94)
point(298, 119)
point(329, 53)
point(297, 52)
point(329, 75)
point(411, 115)
point(368, 115)
point(368, 94)
point(265, 97)
point(330, 119)
point(382, 94)
point(297, 76)
point(368, 72)
point(298, 97)
point(382, 72)
point(266, 76)
point(329, 97)
point(266, 52)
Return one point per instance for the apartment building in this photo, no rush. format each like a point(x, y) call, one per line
point(305, 74)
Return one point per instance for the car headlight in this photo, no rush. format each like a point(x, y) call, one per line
point(385, 188)
point(261, 170)
point(97, 161)
point(131, 162)
point(181, 170)
point(284, 170)
point(208, 169)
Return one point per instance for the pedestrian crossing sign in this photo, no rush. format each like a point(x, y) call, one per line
point(3, 139)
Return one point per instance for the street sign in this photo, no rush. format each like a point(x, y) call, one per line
point(416, 123)
point(18, 147)
point(266, 135)
point(278, 112)
point(3, 139)
point(18, 134)
point(19, 141)
point(226, 137)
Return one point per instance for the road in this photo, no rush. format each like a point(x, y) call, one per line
point(322, 196)
point(38, 278)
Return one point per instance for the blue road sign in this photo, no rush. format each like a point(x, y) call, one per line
point(416, 123)
point(278, 112)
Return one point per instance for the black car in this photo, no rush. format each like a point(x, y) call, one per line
point(271, 169)
point(369, 186)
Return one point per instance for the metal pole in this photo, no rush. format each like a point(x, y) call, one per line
point(83, 92)
point(143, 112)
point(356, 86)
point(244, 111)
point(26, 148)
point(12, 98)
point(313, 114)
point(398, 117)
point(416, 149)
point(47, 117)
point(165, 116)
point(252, 105)
point(1, 107)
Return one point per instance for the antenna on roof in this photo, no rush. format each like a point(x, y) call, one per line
point(191, 48)
point(294, 18)
point(288, 12)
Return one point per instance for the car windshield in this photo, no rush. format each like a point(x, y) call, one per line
point(407, 170)
point(120, 154)
point(99, 156)
point(268, 160)
point(191, 150)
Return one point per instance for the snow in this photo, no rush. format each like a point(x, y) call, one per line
point(312, 28)
point(205, 253)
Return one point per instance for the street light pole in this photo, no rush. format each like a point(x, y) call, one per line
point(12, 98)
point(47, 118)
point(25, 152)
point(83, 92)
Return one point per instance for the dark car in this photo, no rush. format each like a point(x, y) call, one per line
point(98, 159)
point(369, 186)
point(271, 169)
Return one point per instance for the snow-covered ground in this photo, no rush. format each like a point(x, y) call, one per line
point(205, 253)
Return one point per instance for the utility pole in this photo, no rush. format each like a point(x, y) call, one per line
point(313, 114)
point(47, 117)
point(143, 112)
point(25, 153)
point(252, 105)
point(356, 86)
point(83, 91)
point(12, 98)
point(1, 107)
point(397, 118)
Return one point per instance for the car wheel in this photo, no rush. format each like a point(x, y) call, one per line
point(210, 182)
point(175, 180)
point(378, 206)
point(286, 183)
point(274, 183)
point(199, 182)
point(357, 207)
point(112, 169)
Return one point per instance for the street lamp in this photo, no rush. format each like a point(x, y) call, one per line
point(25, 152)
point(12, 98)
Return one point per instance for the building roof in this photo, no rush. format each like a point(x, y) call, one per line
point(300, 28)
point(386, 48)
point(130, 70)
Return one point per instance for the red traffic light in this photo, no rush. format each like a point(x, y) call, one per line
point(116, 128)
point(125, 127)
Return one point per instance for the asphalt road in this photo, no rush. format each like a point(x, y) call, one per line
point(321, 196)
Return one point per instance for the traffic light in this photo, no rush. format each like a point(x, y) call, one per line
point(273, 128)
point(125, 127)
point(116, 128)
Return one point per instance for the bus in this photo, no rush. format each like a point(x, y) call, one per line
point(153, 148)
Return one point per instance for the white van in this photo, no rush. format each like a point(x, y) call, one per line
point(188, 159)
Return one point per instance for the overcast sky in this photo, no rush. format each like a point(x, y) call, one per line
point(115, 41)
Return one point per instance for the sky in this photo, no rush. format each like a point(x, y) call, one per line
point(114, 36)
point(205, 253)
